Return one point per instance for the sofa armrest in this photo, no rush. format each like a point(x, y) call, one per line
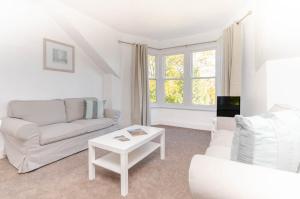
point(224, 179)
point(19, 129)
point(111, 113)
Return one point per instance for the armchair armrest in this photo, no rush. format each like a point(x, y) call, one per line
point(111, 113)
point(225, 123)
point(212, 178)
point(19, 129)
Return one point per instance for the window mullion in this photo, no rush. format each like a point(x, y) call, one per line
point(160, 79)
point(187, 93)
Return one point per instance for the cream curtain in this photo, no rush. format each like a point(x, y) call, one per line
point(139, 99)
point(232, 60)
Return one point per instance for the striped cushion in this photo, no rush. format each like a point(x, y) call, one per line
point(94, 109)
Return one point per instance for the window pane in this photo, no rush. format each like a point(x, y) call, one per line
point(174, 66)
point(151, 66)
point(174, 91)
point(152, 90)
point(204, 63)
point(204, 92)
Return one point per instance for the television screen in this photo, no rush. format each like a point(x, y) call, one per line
point(228, 106)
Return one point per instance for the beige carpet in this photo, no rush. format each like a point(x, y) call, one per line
point(151, 178)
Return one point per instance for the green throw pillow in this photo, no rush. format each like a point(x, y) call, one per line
point(94, 109)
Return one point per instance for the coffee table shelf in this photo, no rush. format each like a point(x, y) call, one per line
point(111, 161)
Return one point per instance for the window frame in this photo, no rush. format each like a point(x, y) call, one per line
point(187, 78)
point(192, 76)
point(151, 78)
point(164, 78)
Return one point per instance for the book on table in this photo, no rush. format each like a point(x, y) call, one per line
point(137, 132)
point(122, 138)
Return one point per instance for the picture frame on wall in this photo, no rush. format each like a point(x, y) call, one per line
point(59, 56)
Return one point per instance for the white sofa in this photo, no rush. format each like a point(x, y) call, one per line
point(39, 132)
point(215, 176)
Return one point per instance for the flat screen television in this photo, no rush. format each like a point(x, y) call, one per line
point(228, 106)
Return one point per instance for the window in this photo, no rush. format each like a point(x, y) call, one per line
point(173, 78)
point(152, 78)
point(203, 78)
point(183, 78)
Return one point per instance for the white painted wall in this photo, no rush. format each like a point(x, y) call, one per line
point(271, 34)
point(23, 27)
point(183, 118)
point(282, 88)
point(24, 24)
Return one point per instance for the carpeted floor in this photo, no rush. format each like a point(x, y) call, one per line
point(150, 178)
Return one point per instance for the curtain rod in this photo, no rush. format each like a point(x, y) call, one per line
point(193, 44)
point(244, 17)
point(124, 42)
point(186, 45)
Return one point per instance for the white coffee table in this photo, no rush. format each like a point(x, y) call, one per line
point(126, 154)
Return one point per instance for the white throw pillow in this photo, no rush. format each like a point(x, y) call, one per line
point(94, 109)
point(271, 140)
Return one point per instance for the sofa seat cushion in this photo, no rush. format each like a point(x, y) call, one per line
point(95, 124)
point(61, 131)
point(222, 152)
point(41, 112)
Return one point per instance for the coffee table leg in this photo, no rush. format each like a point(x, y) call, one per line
point(91, 160)
point(162, 146)
point(124, 174)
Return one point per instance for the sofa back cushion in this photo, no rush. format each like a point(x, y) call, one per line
point(41, 112)
point(75, 108)
point(94, 108)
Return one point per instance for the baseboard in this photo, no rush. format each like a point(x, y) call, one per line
point(203, 126)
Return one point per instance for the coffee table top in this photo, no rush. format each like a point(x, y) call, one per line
point(108, 142)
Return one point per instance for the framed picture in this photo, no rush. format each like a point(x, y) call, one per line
point(59, 56)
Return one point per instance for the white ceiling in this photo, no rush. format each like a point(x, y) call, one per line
point(160, 19)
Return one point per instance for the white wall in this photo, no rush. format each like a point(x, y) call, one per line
point(282, 88)
point(24, 24)
point(271, 33)
point(183, 118)
point(248, 99)
point(23, 27)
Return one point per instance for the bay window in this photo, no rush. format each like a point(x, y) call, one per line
point(184, 78)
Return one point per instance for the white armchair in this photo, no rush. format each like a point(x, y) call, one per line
point(215, 176)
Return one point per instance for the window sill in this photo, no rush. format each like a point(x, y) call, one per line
point(184, 107)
